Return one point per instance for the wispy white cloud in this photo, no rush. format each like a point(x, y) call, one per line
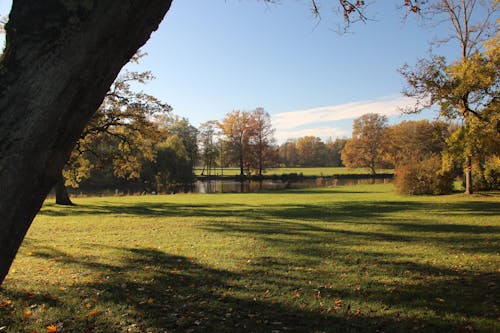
point(320, 121)
point(322, 132)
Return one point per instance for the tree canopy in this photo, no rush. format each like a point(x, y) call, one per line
point(467, 88)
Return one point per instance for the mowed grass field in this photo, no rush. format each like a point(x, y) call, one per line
point(328, 171)
point(346, 259)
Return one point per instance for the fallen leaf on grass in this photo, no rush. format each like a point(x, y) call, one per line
point(51, 328)
point(6, 303)
point(440, 300)
point(338, 303)
point(27, 313)
point(94, 313)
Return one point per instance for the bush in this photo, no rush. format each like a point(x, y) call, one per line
point(423, 177)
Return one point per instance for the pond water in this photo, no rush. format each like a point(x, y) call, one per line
point(235, 186)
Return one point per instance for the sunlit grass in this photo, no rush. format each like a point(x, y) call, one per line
point(357, 258)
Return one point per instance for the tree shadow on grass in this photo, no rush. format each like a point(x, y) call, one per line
point(373, 221)
point(351, 211)
point(327, 219)
point(153, 291)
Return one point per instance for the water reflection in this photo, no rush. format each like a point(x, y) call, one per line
point(236, 186)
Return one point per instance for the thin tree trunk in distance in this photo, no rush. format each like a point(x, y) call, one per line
point(61, 57)
point(62, 196)
point(468, 175)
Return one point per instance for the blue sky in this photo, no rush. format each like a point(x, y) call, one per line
point(211, 57)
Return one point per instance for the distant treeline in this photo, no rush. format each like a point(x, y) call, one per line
point(143, 146)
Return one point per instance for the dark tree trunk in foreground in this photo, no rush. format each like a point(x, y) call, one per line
point(62, 196)
point(61, 57)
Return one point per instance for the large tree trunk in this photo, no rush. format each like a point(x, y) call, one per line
point(62, 196)
point(61, 56)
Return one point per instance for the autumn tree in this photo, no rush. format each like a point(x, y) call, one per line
point(485, 167)
point(237, 133)
point(120, 134)
point(466, 89)
point(311, 151)
point(412, 141)
point(415, 149)
point(367, 147)
point(261, 139)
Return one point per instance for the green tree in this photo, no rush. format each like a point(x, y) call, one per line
point(466, 89)
point(208, 146)
point(188, 134)
point(368, 146)
point(171, 171)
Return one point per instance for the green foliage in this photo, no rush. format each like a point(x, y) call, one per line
point(172, 169)
point(418, 177)
point(346, 259)
point(208, 146)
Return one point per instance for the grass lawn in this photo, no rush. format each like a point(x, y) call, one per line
point(330, 171)
point(346, 259)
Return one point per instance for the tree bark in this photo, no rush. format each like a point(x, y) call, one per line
point(62, 196)
point(242, 165)
point(61, 57)
point(468, 175)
